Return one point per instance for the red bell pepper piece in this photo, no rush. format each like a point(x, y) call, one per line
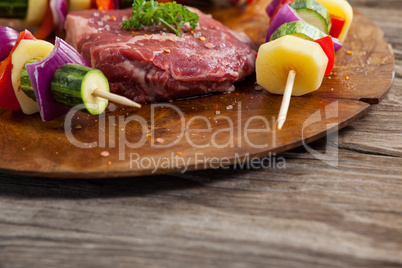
point(337, 26)
point(8, 99)
point(328, 46)
point(104, 4)
point(283, 2)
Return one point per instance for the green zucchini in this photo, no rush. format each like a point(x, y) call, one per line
point(300, 29)
point(16, 9)
point(26, 85)
point(313, 13)
point(74, 84)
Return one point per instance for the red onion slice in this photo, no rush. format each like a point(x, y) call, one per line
point(285, 14)
point(8, 38)
point(116, 4)
point(271, 7)
point(337, 44)
point(41, 75)
point(59, 12)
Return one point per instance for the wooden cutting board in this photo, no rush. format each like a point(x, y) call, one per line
point(204, 132)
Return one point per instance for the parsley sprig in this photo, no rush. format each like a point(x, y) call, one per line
point(151, 13)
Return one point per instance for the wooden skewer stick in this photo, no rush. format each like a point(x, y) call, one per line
point(115, 98)
point(283, 112)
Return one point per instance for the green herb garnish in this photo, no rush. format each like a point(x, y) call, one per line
point(151, 13)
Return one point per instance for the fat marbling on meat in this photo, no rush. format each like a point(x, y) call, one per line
point(153, 65)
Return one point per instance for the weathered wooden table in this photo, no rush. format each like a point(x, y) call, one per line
point(308, 214)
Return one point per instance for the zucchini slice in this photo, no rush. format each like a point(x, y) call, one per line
point(73, 84)
point(26, 85)
point(300, 29)
point(313, 13)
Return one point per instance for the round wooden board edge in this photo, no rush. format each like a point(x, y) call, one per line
point(378, 99)
point(148, 172)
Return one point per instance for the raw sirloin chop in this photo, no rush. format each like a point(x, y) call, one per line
point(151, 65)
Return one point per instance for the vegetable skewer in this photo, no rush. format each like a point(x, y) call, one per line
point(75, 84)
point(50, 79)
point(71, 85)
point(277, 59)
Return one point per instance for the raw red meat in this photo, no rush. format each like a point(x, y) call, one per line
point(152, 65)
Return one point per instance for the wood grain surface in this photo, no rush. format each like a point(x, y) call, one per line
point(309, 214)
